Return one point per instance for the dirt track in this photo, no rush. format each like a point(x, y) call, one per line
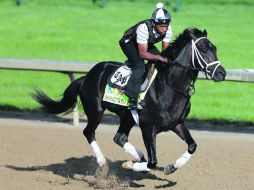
point(43, 155)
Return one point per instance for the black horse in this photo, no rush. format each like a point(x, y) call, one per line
point(166, 104)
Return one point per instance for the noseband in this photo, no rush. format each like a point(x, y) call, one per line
point(195, 52)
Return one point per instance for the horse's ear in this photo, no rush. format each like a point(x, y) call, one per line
point(190, 32)
point(205, 33)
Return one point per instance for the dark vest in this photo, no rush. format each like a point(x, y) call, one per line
point(132, 35)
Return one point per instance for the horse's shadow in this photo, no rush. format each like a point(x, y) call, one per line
point(87, 166)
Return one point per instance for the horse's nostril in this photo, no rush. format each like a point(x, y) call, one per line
point(222, 75)
point(219, 77)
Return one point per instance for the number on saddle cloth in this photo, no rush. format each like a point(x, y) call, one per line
point(120, 77)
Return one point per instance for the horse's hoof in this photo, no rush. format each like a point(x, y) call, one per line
point(102, 172)
point(128, 165)
point(142, 159)
point(141, 167)
point(169, 169)
point(101, 161)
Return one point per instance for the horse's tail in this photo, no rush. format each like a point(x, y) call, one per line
point(67, 102)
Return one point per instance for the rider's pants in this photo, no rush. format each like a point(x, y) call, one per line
point(136, 64)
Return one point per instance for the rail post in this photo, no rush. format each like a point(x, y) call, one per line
point(177, 6)
point(75, 110)
point(20, 2)
point(103, 3)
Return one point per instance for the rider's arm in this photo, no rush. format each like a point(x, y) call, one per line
point(167, 38)
point(142, 41)
point(144, 54)
point(164, 45)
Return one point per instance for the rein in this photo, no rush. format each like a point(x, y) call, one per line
point(189, 90)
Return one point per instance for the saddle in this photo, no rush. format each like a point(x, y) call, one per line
point(120, 77)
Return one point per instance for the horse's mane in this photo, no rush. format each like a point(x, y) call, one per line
point(177, 45)
point(181, 40)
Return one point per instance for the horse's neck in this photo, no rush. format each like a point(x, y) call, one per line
point(171, 104)
point(179, 76)
point(175, 80)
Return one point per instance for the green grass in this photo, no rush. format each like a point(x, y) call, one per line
point(80, 31)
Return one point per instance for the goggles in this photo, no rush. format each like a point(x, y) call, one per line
point(162, 21)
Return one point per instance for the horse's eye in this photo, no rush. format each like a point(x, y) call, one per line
point(204, 50)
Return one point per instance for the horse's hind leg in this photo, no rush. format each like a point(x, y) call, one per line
point(121, 138)
point(94, 118)
point(183, 132)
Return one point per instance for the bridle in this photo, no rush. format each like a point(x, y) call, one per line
point(190, 89)
point(195, 52)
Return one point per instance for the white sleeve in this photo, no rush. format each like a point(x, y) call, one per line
point(142, 34)
point(168, 36)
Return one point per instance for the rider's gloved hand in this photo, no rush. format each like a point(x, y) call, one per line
point(163, 59)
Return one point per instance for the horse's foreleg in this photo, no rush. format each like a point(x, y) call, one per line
point(150, 143)
point(182, 131)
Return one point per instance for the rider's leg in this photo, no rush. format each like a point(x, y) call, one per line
point(138, 69)
point(134, 84)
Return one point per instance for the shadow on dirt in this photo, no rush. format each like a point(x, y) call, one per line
point(86, 169)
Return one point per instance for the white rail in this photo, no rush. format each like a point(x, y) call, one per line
point(236, 75)
point(46, 65)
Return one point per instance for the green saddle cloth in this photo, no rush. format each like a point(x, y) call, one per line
point(115, 96)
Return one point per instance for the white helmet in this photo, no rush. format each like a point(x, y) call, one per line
point(160, 15)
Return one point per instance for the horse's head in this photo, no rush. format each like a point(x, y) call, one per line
point(204, 55)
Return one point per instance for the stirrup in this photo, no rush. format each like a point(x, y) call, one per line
point(139, 107)
point(134, 105)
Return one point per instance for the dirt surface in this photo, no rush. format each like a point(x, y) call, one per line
point(44, 153)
